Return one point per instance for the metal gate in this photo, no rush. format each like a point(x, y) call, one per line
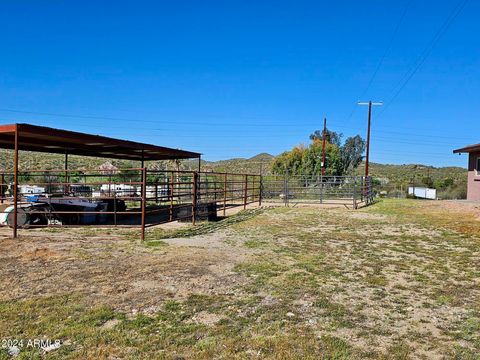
point(352, 191)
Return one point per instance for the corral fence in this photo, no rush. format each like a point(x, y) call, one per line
point(351, 191)
point(140, 197)
point(135, 197)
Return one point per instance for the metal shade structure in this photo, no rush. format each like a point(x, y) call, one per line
point(50, 140)
point(36, 138)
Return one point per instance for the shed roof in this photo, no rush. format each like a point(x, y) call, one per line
point(468, 149)
point(50, 140)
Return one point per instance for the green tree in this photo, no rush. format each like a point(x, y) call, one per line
point(351, 154)
point(339, 158)
point(289, 162)
point(330, 136)
point(312, 159)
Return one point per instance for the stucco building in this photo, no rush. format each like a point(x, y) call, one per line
point(473, 151)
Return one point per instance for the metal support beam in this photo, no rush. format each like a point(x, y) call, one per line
point(194, 197)
point(144, 203)
point(15, 183)
point(170, 191)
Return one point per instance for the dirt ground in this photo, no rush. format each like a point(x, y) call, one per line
point(117, 272)
point(399, 279)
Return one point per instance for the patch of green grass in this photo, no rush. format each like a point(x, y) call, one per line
point(170, 332)
point(311, 284)
point(203, 227)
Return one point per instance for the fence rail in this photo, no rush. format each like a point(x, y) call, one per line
point(352, 191)
point(125, 197)
point(143, 197)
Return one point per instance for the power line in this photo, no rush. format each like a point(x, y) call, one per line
point(380, 63)
point(387, 49)
point(423, 57)
point(164, 130)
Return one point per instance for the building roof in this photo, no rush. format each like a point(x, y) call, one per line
point(50, 140)
point(468, 149)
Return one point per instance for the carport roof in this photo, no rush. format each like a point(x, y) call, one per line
point(50, 140)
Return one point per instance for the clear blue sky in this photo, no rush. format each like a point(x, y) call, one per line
point(235, 78)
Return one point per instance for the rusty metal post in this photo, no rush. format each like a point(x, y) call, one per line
point(66, 187)
point(245, 189)
point(115, 207)
point(15, 183)
point(144, 202)
point(260, 191)
point(171, 196)
point(194, 197)
point(225, 194)
point(252, 196)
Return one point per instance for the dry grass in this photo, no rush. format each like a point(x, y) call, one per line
point(398, 280)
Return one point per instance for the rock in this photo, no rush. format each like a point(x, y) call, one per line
point(13, 351)
point(290, 314)
point(110, 324)
point(52, 347)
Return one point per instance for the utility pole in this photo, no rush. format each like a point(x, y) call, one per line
point(370, 104)
point(324, 135)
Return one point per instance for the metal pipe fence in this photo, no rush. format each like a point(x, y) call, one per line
point(139, 197)
point(351, 191)
point(120, 198)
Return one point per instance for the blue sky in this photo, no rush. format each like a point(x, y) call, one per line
point(235, 78)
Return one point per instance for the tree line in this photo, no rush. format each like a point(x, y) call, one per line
point(341, 157)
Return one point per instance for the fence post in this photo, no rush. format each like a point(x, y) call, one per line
point(252, 195)
point(355, 192)
point(115, 208)
point(194, 197)
point(170, 189)
point(321, 189)
point(225, 194)
point(245, 189)
point(15, 183)
point(144, 202)
point(260, 191)
point(285, 189)
point(370, 189)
